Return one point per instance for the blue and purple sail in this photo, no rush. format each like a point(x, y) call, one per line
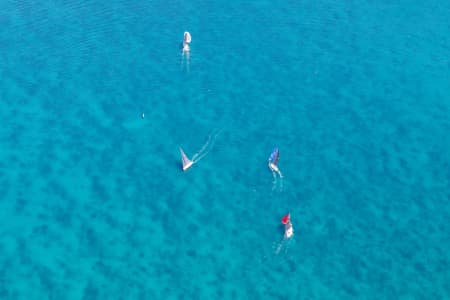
point(274, 156)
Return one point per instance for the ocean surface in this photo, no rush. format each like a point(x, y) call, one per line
point(96, 97)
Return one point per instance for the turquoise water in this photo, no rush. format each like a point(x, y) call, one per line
point(94, 204)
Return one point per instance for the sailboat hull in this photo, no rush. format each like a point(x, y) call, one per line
point(187, 166)
point(273, 167)
point(288, 230)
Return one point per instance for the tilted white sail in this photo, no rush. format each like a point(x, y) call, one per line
point(187, 37)
point(187, 163)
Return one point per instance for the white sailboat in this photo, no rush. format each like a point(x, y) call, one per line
point(204, 150)
point(187, 163)
point(186, 40)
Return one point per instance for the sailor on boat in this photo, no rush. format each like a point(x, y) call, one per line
point(186, 40)
point(288, 229)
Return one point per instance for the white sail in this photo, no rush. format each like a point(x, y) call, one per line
point(187, 163)
point(187, 37)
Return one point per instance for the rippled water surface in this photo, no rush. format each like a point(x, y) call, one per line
point(94, 204)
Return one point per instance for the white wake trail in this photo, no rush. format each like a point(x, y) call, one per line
point(206, 148)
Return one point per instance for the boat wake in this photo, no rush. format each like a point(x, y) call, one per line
point(277, 183)
point(185, 59)
point(206, 148)
point(283, 246)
